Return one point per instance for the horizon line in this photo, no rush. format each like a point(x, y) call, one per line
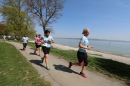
point(95, 39)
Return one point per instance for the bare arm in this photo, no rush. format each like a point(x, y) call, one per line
point(85, 47)
point(42, 42)
point(81, 45)
point(51, 41)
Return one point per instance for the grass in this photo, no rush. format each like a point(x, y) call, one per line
point(108, 67)
point(15, 70)
point(97, 54)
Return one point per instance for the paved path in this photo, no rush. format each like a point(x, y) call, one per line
point(60, 75)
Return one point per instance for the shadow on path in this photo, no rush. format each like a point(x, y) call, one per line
point(33, 53)
point(37, 62)
point(32, 48)
point(64, 68)
point(21, 49)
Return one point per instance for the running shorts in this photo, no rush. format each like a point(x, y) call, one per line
point(24, 45)
point(46, 50)
point(82, 57)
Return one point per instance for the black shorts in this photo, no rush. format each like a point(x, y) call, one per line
point(24, 45)
point(46, 50)
point(37, 46)
point(82, 57)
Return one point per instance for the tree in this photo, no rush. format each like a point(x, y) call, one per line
point(46, 11)
point(2, 27)
point(17, 20)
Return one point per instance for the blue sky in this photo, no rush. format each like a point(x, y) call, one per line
point(107, 19)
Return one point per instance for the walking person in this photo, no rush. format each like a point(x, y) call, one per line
point(25, 41)
point(4, 37)
point(8, 37)
point(46, 41)
point(82, 52)
point(38, 44)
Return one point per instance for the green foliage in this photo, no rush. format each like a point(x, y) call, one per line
point(17, 20)
point(15, 70)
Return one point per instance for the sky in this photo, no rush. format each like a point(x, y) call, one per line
point(106, 19)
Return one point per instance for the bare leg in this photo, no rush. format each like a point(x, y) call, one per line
point(71, 64)
point(35, 50)
point(4, 40)
point(39, 50)
point(46, 59)
point(23, 46)
point(78, 64)
point(74, 63)
point(83, 68)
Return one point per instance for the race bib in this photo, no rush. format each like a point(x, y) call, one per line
point(38, 44)
point(45, 44)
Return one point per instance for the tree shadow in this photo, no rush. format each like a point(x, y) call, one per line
point(64, 68)
point(37, 62)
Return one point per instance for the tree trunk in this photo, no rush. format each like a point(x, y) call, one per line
point(44, 28)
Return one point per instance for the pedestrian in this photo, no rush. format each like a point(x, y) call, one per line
point(46, 41)
point(8, 37)
point(25, 41)
point(38, 43)
point(82, 52)
point(4, 38)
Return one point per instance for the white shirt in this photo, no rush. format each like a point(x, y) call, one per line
point(25, 39)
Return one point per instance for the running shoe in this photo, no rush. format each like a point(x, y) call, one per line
point(47, 68)
point(83, 75)
point(70, 64)
point(42, 60)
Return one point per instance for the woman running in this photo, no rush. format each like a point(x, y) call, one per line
point(46, 41)
point(82, 52)
point(25, 41)
point(38, 44)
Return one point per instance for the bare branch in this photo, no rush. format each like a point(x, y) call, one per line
point(47, 11)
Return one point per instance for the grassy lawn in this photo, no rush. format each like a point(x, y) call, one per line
point(15, 70)
point(108, 67)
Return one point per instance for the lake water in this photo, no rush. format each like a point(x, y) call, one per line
point(107, 46)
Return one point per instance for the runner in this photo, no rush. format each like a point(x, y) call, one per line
point(8, 37)
point(4, 37)
point(82, 52)
point(25, 41)
point(38, 44)
point(46, 41)
point(35, 44)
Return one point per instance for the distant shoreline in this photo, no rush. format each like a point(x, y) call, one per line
point(96, 39)
point(119, 58)
point(126, 56)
